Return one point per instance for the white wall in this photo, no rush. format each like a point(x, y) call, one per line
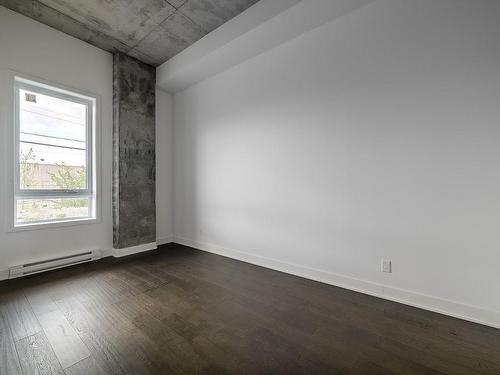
point(164, 167)
point(373, 136)
point(29, 47)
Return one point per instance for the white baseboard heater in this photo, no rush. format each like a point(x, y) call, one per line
point(52, 264)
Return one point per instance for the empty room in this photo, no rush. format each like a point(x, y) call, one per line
point(249, 187)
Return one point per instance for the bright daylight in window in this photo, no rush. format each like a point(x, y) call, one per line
point(54, 155)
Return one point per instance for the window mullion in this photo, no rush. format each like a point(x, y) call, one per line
point(51, 194)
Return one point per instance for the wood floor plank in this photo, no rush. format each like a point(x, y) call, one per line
point(40, 300)
point(176, 349)
point(66, 344)
point(88, 366)
point(183, 311)
point(137, 280)
point(142, 354)
point(20, 317)
point(9, 361)
point(104, 350)
point(37, 357)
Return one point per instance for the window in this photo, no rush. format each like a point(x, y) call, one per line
point(54, 155)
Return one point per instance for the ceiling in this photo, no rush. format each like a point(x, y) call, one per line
point(151, 30)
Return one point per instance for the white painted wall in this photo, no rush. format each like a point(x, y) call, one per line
point(29, 47)
point(373, 136)
point(164, 167)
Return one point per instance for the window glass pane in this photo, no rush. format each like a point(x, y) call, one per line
point(42, 210)
point(52, 150)
point(48, 167)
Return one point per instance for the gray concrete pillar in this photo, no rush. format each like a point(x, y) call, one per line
point(134, 210)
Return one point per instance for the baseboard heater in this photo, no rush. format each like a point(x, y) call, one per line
point(52, 264)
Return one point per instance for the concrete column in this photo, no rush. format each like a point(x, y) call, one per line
point(134, 210)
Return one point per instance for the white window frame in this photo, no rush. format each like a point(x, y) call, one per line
point(91, 190)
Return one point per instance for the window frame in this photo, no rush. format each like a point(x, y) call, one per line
point(90, 192)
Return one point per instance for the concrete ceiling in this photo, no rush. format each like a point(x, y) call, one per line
point(151, 30)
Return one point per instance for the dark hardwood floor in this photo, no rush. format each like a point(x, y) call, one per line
point(183, 311)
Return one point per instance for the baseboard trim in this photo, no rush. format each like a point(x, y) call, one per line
point(164, 240)
point(4, 275)
point(454, 309)
point(118, 253)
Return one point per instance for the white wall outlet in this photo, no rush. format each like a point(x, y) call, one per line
point(386, 266)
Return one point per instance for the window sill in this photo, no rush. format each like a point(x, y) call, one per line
point(52, 225)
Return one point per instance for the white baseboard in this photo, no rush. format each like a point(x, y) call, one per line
point(117, 253)
point(431, 303)
point(107, 252)
point(4, 274)
point(164, 240)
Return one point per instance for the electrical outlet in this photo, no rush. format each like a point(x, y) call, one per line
point(386, 266)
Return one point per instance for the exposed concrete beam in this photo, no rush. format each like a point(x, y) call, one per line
point(260, 28)
point(150, 30)
point(60, 21)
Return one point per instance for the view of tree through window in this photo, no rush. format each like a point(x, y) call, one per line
point(53, 156)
